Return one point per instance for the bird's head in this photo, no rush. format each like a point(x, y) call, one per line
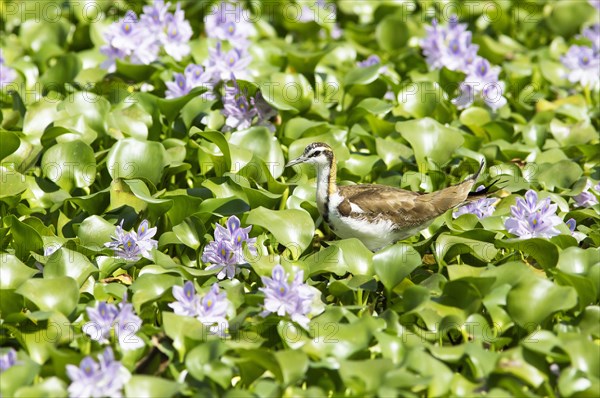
point(317, 153)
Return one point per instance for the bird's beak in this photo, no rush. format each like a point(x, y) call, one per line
point(296, 161)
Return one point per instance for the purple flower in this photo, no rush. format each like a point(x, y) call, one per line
point(178, 88)
point(187, 301)
point(132, 246)
point(533, 219)
point(221, 65)
point(127, 326)
point(228, 21)
point(155, 16)
point(8, 359)
point(583, 64)
point(571, 224)
point(264, 111)
point(370, 61)
point(448, 46)
point(592, 33)
point(236, 108)
point(176, 34)
point(481, 81)
point(586, 198)
point(105, 318)
point(287, 298)
point(129, 38)
point(595, 3)
point(7, 74)
point(226, 251)
point(193, 76)
point(212, 311)
point(105, 378)
point(481, 208)
point(220, 256)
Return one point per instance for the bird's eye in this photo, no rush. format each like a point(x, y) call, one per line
point(315, 154)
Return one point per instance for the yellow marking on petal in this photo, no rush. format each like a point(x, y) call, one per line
point(282, 289)
point(231, 28)
point(127, 27)
point(209, 303)
point(231, 60)
point(222, 252)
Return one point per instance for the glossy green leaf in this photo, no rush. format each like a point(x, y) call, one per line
point(56, 294)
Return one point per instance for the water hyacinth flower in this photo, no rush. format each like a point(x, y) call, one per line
point(287, 298)
point(140, 40)
point(193, 76)
point(105, 318)
point(221, 65)
point(176, 34)
point(132, 246)
point(533, 219)
point(481, 208)
point(228, 21)
point(583, 64)
point(187, 301)
point(236, 108)
point(481, 82)
point(129, 38)
point(7, 74)
point(211, 309)
point(264, 112)
point(370, 61)
point(105, 378)
point(225, 252)
point(154, 16)
point(592, 33)
point(587, 198)
point(8, 359)
point(448, 46)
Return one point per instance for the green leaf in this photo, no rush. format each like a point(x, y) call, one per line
point(533, 300)
point(70, 165)
point(56, 294)
point(26, 239)
point(205, 361)
point(430, 139)
point(129, 158)
point(395, 263)
point(293, 365)
point(10, 143)
point(392, 33)
point(288, 92)
point(150, 386)
point(292, 228)
point(13, 272)
point(149, 287)
point(65, 262)
point(13, 182)
point(419, 100)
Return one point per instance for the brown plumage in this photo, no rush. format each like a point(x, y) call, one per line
point(378, 214)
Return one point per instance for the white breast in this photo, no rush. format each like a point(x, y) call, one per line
point(374, 235)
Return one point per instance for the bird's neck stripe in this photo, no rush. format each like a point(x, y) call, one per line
point(331, 185)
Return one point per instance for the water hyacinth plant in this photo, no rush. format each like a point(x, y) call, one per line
point(139, 40)
point(211, 309)
point(226, 251)
point(154, 243)
point(132, 246)
point(105, 378)
point(282, 297)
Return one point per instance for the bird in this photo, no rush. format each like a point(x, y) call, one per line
point(378, 215)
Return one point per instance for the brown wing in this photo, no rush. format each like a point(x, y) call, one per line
point(405, 208)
